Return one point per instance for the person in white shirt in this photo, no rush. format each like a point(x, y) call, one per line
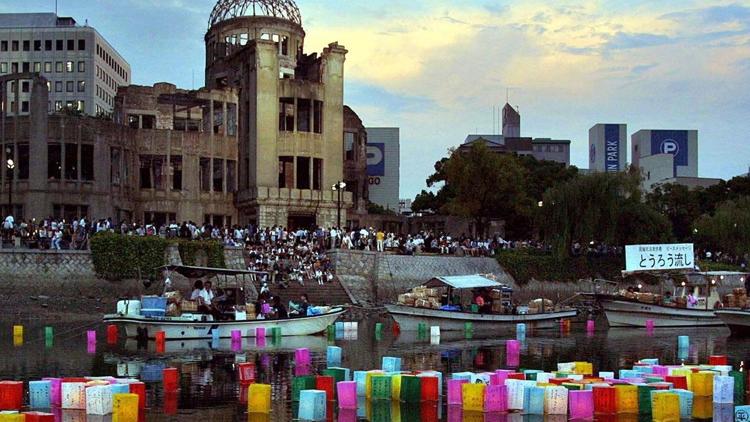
point(334, 237)
point(208, 293)
point(57, 239)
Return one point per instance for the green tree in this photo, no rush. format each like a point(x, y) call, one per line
point(728, 229)
point(598, 207)
point(486, 185)
point(681, 205)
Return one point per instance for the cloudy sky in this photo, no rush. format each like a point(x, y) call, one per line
point(436, 68)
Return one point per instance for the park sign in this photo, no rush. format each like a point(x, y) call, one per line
point(676, 256)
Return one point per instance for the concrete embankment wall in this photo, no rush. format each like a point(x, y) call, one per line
point(374, 278)
point(40, 284)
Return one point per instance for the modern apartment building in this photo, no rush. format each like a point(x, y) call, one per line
point(82, 69)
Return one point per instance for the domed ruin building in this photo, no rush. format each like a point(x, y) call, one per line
point(290, 131)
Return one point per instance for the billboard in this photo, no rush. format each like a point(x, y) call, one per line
point(673, 142)
point(375, 159)
point(612, 148)
point(677, 256)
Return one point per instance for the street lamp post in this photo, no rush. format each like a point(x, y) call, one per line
point(338, 187)
point(11, 165)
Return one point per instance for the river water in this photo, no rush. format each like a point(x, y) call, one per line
point(210, 389)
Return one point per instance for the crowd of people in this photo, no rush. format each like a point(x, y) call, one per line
point(298, 251)
point(295, 255)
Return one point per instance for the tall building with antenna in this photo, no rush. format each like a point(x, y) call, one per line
point(511, 141)
point(82, 69)
point(511, 122)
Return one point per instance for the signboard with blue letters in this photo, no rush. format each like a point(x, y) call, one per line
point(678, 256)
point(375, 159)
point(612, 148)
point(673, 142)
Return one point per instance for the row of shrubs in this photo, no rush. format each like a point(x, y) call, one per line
point(118, 257)
point(527, 265)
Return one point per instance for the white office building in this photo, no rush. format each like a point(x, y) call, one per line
point(83, 69)
point(383, 162)
point(608, 147)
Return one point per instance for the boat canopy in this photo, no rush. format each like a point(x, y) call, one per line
point(464, 282)
point(198, 272)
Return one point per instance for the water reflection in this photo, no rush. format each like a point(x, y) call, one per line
point(210, 388)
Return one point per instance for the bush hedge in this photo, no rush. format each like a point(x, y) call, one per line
point(189, 250)
point(118, 257)
point(718, 266)
point(527, 265)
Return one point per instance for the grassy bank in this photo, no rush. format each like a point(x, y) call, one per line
point(526, 265)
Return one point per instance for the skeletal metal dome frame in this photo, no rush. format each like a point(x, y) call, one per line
point(228, 9)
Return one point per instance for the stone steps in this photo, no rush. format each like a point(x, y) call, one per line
point(331, 293)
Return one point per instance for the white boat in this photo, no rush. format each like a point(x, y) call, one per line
point(738, 320)
point(196, 326)
point(622, 312)
point(623, 309)
point(137, 322)
point(409, 318)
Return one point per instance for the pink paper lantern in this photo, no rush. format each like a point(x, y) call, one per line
point(55, 392)
point(496, 398)
point(455, 414)
point(455, 396)
point(346, 391)
point(302, 356)
point(581, 404)
point(513, 353)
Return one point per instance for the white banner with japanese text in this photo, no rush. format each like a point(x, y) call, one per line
point(677, 256)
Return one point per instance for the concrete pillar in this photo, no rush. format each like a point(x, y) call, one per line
point(36, 198)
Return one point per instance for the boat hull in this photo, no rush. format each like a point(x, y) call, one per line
point(409, 318)
point(182, 330)
point(737, 320)
point(622, 313)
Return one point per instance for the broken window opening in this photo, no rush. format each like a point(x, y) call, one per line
point(133, 121)
point(175, 163)
point(231, 119)
point(87, 162)
point(218, 175)
point(286, 114)
point(303, 173)
point(71, 161)
point(303, 115)
point(285, 46)
point(54, 161)
point(114, 173)
point(148, 121)
point(205, 174)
